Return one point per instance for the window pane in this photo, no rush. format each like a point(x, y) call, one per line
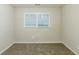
point(30, 20)
point(43, 20)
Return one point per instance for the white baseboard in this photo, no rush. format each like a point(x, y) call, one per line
point(38, 42)
point(70, 48)
point(6, 48)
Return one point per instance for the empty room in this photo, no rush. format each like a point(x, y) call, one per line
point(39, 29)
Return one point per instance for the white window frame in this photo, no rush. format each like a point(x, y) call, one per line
point(37, 19)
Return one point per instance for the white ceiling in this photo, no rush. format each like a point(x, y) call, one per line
point(36, 5)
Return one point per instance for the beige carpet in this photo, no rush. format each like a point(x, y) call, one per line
point(38, 49)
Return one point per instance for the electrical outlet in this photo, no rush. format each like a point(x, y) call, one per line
point(77, 47)
point(33, 37)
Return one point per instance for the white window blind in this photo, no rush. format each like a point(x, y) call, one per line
point(36, 20)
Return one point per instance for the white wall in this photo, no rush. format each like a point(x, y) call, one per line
point(6, 26)
point(70, 27)
point(51, 35)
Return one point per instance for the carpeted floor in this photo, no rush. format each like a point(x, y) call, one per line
point(38, 49)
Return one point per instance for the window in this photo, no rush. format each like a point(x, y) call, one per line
point(36, 20)
point(43, 20)
point(30, 20)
